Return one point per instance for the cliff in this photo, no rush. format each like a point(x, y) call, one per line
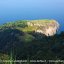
point(47, 27)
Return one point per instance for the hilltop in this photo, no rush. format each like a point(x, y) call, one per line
point(46, 27)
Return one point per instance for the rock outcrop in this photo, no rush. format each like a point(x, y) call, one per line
point(47, 27)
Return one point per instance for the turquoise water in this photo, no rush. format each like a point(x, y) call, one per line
point(11, 10)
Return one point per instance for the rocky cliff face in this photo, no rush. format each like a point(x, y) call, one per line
point(47, 27)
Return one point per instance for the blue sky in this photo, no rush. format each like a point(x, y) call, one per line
point(17, 7)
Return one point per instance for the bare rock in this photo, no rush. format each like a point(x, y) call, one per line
point(47, 27)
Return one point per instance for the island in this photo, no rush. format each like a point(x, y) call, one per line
point(31, 40)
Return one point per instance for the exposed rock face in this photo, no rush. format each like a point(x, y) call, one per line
point(47, 27)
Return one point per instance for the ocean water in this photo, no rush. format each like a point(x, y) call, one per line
point(11, 10)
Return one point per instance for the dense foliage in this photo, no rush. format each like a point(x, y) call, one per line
point(17, 44)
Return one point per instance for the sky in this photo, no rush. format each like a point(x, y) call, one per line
point(11, 10)
point(27, 8)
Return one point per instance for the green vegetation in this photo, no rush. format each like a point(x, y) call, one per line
point(42, 21)
point(29, 29)
point(19, 42)
point(14, 24)
point(27, 38)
